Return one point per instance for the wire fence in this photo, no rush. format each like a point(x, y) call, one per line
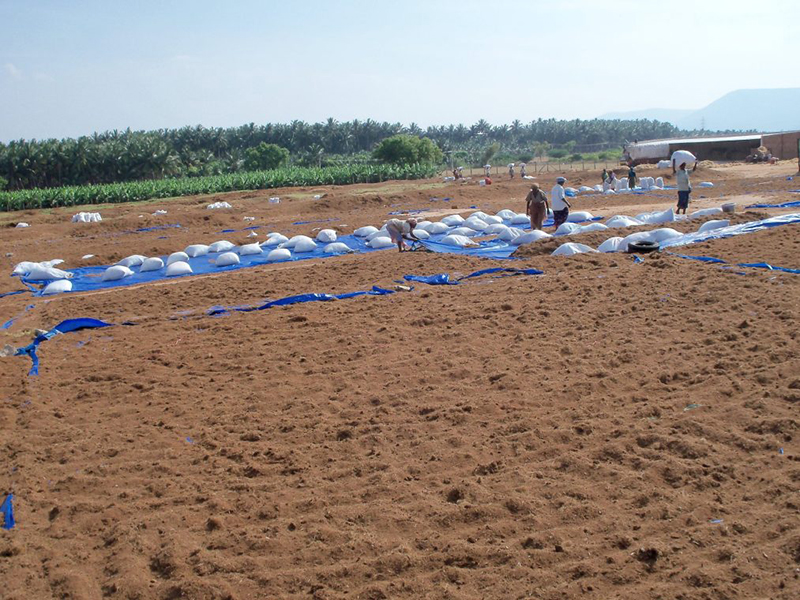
point(535, 167)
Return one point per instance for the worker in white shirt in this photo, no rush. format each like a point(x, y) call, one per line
point(684, 186)
point(400, 231)
point(559, 202)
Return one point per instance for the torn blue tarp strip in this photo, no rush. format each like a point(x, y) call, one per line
point(7, 510)
point(64, 327)
point(782, 205)
point(289, 300)
point(439, 279)
point(759, 265)
point(156, 228)
point(769, 267)
point(318, 221)
point(4, 294)
point(444, 278)
point(505, 270)
point(709, 259)
point(637, 259)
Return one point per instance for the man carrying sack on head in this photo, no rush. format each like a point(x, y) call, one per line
point(536, 206)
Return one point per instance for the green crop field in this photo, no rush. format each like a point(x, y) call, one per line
point(115, 193)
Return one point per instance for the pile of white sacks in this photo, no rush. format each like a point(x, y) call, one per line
point(218, 205)
point(457, 231)
point(87, 217)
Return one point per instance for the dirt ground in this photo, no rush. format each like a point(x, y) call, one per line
point(607, 429)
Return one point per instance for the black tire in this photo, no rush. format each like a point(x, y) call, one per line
point(642, 247)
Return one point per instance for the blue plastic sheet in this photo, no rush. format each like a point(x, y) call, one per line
point(90, 278)
point(504, 270)
point(64, 327)
point(444, 278)
point(782, 205)
point(156, 228)
point(731, 231)
point(319, 221)
point(438, 279)
point(7, 510)
point(289, 300)
point(4, 294)
point(719, 261)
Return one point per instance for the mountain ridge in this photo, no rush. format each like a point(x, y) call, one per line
point(765, 110)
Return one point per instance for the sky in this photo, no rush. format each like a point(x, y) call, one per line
point(73, 67)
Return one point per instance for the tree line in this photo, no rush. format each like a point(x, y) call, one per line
point(118, 156)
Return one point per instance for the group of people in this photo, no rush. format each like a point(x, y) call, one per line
point(522, 172)
point(537, 204)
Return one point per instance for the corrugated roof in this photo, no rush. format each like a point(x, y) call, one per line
point(753, 137)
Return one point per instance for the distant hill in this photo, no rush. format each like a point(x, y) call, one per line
point(745, 110)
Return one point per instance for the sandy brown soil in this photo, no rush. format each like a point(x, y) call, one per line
point(607, 429)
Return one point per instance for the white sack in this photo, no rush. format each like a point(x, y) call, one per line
point(571, 248)
point(132, 261)
point(326, 236)
point(151, 264)
point(221, 246)
point(279, 254)
point(227, 259)
point(57, 287)
point(116, 273)
point(177, 257)
point(709, 225)
point(196, 250)
point(178, 268)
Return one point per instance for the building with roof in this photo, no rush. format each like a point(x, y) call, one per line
point(783, 145)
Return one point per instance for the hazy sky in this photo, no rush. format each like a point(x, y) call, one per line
point(71, 67)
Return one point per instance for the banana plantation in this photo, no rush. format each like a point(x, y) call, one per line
point(187, 186)
point(153, 156)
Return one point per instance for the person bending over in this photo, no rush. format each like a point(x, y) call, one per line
point(400, 231)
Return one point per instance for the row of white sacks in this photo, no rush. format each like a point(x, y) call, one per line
point(278, 247)
point(620, 244)
point(622, 185)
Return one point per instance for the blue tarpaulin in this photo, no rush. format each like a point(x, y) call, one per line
point(782, 205)
point(4, 294)
point(90, 278)
point(156, 228)
point(64, 327)
point(438, 279)
point(444, 278)
point(7, 510)
point(731, 231)
point(719, 261)
point(375, 291)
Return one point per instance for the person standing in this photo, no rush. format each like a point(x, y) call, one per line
point(631, 177)
point(511, 170)
point(522, 170)
point(400, 231)
point(536, 206)
point(605, 175)
point(684, 186)
point(487, 170)
point(559, 202)
point(612, 181)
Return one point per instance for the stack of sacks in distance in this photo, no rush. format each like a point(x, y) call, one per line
point(87, 217)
